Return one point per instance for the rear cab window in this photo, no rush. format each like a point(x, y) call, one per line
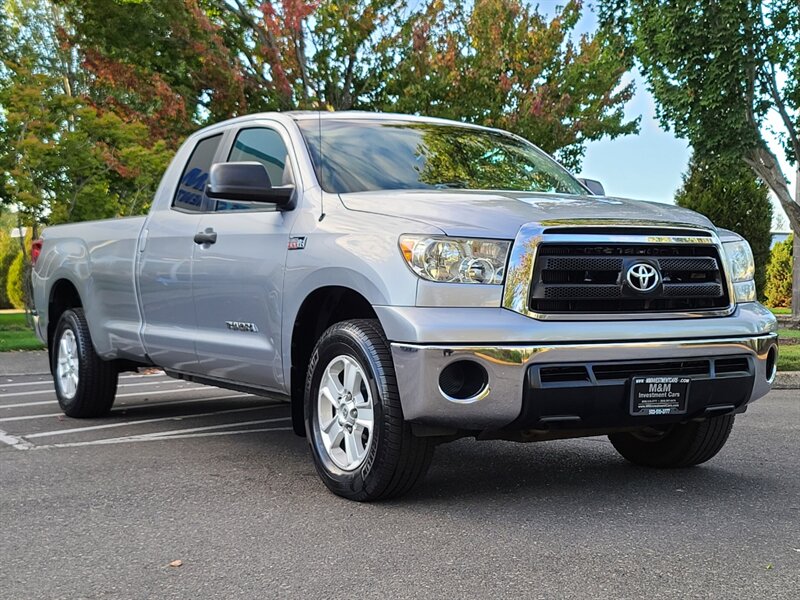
point(190, 195)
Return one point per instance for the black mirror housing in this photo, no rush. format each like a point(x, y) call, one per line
point(247, 182)
point(594, 186)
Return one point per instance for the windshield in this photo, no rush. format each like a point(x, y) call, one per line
point(367, 155)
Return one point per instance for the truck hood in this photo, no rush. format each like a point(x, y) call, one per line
point(500, 214)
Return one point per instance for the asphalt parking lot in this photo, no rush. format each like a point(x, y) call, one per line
point(217, 480)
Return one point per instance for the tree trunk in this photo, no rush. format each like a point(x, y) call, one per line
point(796, 253)
point(766, 166)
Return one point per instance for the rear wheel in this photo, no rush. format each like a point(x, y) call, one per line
point(682, 445)
point(85, 384)
point(362, 447)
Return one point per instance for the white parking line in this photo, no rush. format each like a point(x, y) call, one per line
point(140, 421)
point(177, 391)
point(31, 393)
point(50, 387)
point(37, 403)
point(128, 407)
point(14, 441)
point(54, 401)
point(211, 427)
point(50, 381)
point(29, 417)
point(138, 375)
point(162, 381)
point(43, 382)
point(135, 438)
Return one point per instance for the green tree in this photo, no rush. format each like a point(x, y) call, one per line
point(310, 54)
point(779, 275)
point(69, 161)
point(163, 63)
point(504, 64)
point(97, 94)
point(717, 69)
point(733, 198)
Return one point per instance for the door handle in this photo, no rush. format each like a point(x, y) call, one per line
point(209, 236)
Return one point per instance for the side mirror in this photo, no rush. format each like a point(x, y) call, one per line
point(594, 186)
point(247, 182)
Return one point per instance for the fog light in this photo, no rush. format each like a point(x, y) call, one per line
point(463, 381)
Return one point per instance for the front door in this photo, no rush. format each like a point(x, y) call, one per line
point(166, 248)
point(238, 279)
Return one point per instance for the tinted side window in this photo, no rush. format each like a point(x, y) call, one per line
point(190, 193)
point(266, 147)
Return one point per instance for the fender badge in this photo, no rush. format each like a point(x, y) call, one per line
point(240, 326)
point(297, 243)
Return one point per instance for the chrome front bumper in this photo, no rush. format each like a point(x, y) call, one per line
point(418, 367)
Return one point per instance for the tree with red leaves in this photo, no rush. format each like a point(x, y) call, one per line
point(313, 53)
point(504, 64)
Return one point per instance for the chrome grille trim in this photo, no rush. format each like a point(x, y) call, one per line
point(524, 253)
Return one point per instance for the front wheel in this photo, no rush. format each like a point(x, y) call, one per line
point(363, 449)
point(682, 445)
point(85, 383)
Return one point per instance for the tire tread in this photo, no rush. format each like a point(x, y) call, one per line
point(688, 444)
point(97, 385)
point(405, 457)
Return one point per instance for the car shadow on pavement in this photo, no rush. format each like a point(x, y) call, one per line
point(587, 472)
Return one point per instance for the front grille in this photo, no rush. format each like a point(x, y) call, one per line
point(574, 278)
point(732, 365)
point(626, 370)
point(578, 374)
point(561, 374)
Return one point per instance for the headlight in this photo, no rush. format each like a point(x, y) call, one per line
point(740, 261)
point(741, 270)
point(456, 260)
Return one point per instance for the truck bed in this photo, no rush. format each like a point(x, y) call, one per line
point(98, 256)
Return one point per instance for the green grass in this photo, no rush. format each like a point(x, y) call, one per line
point(789, 358)
point(792, 334)
point(781, 311)
point(15, 334)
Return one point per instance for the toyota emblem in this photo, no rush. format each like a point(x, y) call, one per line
point(643, 277)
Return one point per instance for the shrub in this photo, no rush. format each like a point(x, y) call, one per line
point(9, 248)
point(18, 282)
point(779, 275)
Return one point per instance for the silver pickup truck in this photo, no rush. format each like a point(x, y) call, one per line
point(406, 281)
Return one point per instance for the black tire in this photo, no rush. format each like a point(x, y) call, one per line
point(396, 459)
point(684, 445)
point(97, 379)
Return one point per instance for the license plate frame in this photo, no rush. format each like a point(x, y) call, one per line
point(659, 395)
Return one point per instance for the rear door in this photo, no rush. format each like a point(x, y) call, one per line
point(165, 265)
point(237, 281)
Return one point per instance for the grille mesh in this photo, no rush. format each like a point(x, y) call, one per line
point(591, 278)
point(687, 264)
point(582, 291)
point(575, 263)
point(693, 290)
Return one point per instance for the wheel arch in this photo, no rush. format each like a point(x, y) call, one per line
point(320, 309)
point(63, 296)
